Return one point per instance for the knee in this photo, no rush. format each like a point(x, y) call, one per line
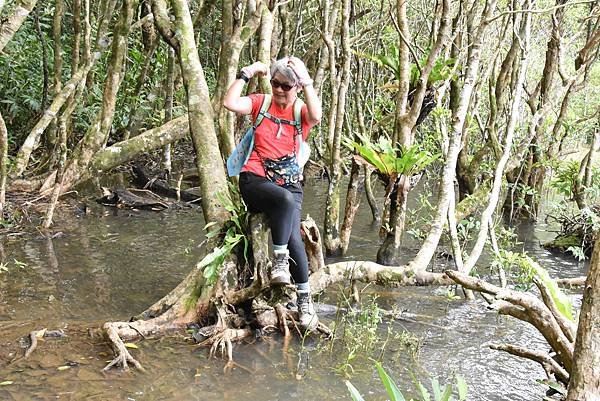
point(287, 200)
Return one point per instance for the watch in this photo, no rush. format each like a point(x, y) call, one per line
point(243, 76)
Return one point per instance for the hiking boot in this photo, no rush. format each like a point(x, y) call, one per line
point(280, 269)
point(306, 311)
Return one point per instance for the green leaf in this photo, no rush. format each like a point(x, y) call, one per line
point(424, 393)
point(6, 383)
point(563, 303)
point(447, 393)
point(130, 345)
point(462, 387)
point(61, 368)
point(354, 392)
point(210, 224)
point(553, 385)
point(391, 388)
point(435, 386)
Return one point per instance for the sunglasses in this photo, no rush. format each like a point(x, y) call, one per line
point(284, 87)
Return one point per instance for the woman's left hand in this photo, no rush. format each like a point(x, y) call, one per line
point(300, 70)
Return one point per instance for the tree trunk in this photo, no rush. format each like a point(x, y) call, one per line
point(135, 116)
point(585, 375)
point(208, 157)
point(13, 22)
point(96, 136)
point(486, 215)
point(24, 154)
point(407, 117)
point(3, 165)
point(106, 12)
point(267, 24)
point(56, 36)
point(75, 50)
point(169, 89)
point(352, 204)
point(332, 209)
point(235, 35)
point(584, 176)
point(46, 84)
point(389, 251)
point(122, 152)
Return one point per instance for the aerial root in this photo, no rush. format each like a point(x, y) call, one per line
point(123, 356)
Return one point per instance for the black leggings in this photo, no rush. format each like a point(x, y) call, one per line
point(283, 206)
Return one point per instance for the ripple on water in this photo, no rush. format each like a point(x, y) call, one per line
point(113, 264)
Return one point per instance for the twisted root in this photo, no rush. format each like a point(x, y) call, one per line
point(123, 356)
point(223, 341)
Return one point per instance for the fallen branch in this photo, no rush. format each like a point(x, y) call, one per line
point(371, 272)
point(526, 307)
point(572, 282)
point(550, 365)
point(568, 327)
point(144, 179)
point(33, 343)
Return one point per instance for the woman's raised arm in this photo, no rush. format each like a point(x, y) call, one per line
point(313, 103)
point(234, 101)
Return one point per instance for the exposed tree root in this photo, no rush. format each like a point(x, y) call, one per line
point(282, 317)
point(119, 331)
point(222, 341)
point(36, 334)
point(123, 356)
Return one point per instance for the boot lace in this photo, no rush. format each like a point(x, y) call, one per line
point(304, 304)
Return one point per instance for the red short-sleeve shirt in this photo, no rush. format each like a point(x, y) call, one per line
point(265, 137)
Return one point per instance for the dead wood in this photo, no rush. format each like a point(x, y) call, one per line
point(550, 365)
point(132, 198)
point(144, 179)
point(33, 343)
point(572, 282)
point(312, 242)
point(526, 307)
point(371, 272)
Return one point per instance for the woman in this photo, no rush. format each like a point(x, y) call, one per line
point(269, 181)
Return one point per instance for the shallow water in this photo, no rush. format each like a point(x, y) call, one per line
point(111, 264)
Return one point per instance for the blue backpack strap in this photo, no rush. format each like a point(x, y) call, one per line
point(240, 155)
point(264, 108)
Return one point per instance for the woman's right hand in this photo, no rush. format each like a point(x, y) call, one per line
point(255, 70)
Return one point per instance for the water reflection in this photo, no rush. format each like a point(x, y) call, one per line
point(111, 264)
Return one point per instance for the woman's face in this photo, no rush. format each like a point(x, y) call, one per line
point(284, 91)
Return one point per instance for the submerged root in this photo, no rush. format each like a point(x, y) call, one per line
point(223, 341)
point(123, 356)
point(282, 315)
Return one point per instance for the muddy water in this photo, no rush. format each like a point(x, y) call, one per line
point(111, 264)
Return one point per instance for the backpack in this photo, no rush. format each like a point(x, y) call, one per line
point(240, 155)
